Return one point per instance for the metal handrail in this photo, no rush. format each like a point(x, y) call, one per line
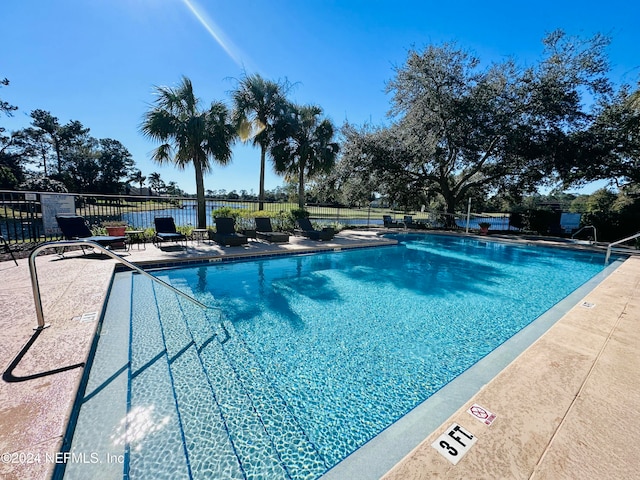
point(71, 243)
point(595, 233)
point(606, 259)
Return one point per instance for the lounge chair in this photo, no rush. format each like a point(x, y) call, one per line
point(409, 223)
point(74, 227)
point(166, 231)
point(7, 248)
point(226, 234)
point(265, 231)
point(388, 223)
point(307, 230)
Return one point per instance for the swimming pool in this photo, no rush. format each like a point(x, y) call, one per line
point(309, 357)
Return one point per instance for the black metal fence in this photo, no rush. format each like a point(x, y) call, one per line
point(22, 218)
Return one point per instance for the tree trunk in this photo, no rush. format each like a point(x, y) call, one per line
point(56, 146)
point(202, 211)
point(301, 188)
point(450, 201)
point(263, 150)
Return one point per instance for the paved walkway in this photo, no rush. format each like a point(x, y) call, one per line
point(566, 408)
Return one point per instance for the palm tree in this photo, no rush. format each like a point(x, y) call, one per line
point(156, 183)
point(190, 135)
point(137, 177)
point(258, 103)
point(302, 144)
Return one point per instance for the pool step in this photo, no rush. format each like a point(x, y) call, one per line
point(298, 452)
point(294, 448)
point(152, 427)
point(203, 425)
point(256, 455)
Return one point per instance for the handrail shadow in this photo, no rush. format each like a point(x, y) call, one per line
point(9, 377)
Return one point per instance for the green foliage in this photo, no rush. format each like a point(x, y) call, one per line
point(189, 135)
point(286, 221)
point(243, 218)
point(615, 216)
point(7, 178)
point(43, 184)
point(184, 229)
point(280, 221)
point(461, 129)
point(264, 214)
point(6, 107)
point(610, 148)
point(297, 213)
point(67, 153)
point(303, 145)
point(227, 212)
point(257, 104)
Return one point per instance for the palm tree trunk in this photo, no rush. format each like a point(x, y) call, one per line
point(301, 189)
point(202, 211)
point(263, 149)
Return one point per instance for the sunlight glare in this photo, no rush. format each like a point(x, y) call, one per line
point(214, 31)
point(137, 425)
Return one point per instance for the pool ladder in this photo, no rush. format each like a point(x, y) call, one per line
point(86, 243)
point(606, 259)
point(595, 233)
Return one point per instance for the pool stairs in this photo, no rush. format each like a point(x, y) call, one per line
point(199, 405)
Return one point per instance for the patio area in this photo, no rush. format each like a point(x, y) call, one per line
point(566, 408)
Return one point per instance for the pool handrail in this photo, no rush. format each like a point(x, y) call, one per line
point(617, 242)
point(87, 243)
point(595, 233)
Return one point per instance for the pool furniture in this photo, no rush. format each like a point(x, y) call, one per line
point(74, 227)
point(136, 237)
point(307, 230)
point(199, 235)
point(388, 223)
point(265, 231)
point(7, 249)
point(409, 223)
point(166, 232)
point(226, 234)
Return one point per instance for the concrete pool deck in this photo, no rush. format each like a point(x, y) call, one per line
point(567, 407)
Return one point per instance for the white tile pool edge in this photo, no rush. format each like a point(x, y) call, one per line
point(380, 454)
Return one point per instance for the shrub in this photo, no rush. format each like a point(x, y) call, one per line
point(297, 213)
point(225, 212)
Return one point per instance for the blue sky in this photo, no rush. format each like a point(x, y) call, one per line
point(97, 61)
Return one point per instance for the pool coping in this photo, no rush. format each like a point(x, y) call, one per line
point(43, 432)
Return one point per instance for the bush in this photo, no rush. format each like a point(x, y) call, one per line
point(225, 212)
point(243, 218)
point(297, 213)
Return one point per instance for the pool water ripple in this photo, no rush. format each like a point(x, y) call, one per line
point(323, 351)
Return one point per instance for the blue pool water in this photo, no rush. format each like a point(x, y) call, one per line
point(308, 358)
